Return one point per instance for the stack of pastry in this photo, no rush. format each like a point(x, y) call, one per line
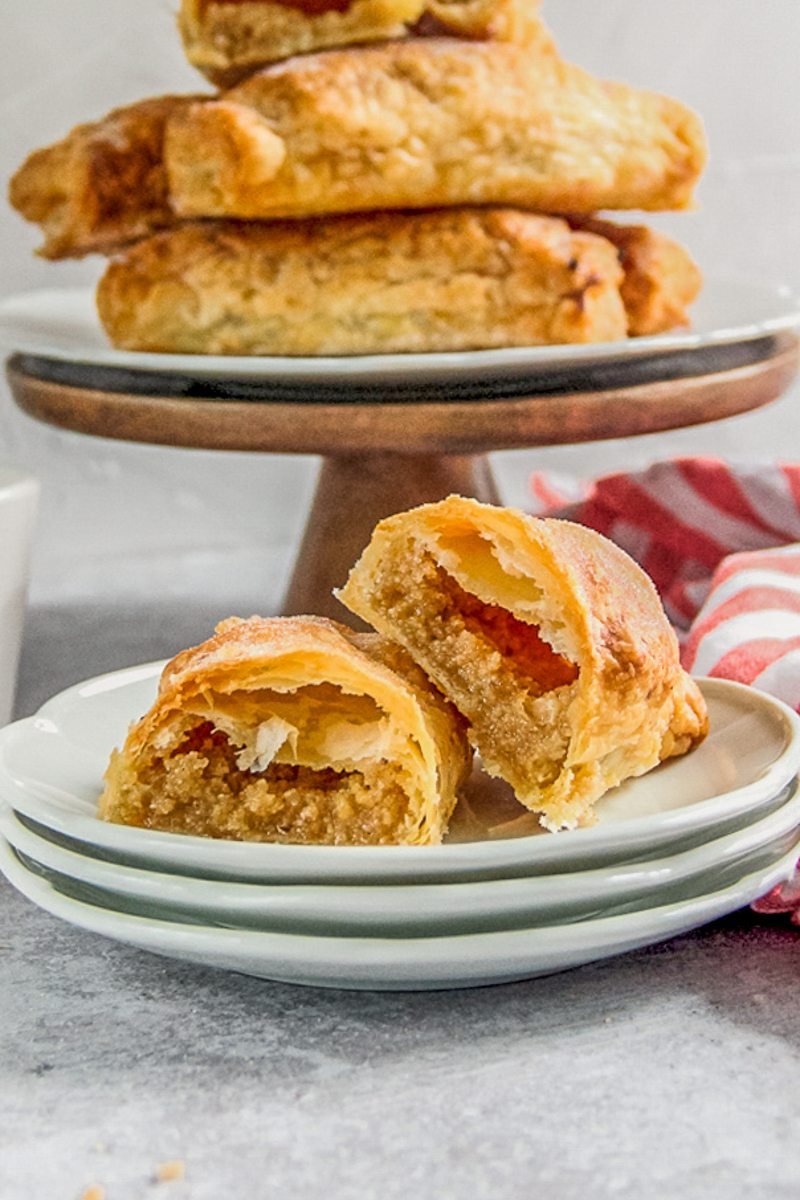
point(374, 176)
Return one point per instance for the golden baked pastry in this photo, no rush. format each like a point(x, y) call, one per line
point(431, 123)
point(292, 730)
point(102, 185)
point(452, 279)
point(548, 638)
point(661, 278)
point(228, 39)
point(404, 125)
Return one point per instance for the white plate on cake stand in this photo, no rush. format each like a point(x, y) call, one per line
point(51, 771)
point(62, 325)
point(396, 964)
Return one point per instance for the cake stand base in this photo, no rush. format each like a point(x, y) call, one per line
point(356, 491)
point(386, 449)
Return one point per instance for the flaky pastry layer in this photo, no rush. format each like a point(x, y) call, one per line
point(661, 278)
point(228, 39)
point(104, 184)
point(292, 730)
point(549, 639)
point(448, 280)
point(454, 279)
point(431, 123)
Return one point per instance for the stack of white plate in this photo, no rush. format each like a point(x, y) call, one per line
point(501, 900)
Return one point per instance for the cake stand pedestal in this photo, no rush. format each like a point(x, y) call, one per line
point(389, 447)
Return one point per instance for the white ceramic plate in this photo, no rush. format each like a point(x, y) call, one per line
point(421, 910)
point(63, 325)
point(397, 964)
point(51, 769)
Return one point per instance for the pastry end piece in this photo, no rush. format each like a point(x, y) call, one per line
point(292, 730)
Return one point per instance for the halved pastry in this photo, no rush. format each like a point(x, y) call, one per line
point(549, 639)
point(292, 730)
point(228, 39)
point(455, 279)
point(427, 123)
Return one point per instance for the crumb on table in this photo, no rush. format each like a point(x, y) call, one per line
point(169, 1171)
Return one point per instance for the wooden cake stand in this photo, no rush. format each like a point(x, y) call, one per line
point(389, 447)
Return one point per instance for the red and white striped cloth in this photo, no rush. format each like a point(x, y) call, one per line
point(722, 545)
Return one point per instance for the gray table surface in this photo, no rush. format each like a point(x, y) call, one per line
point(672, 1072)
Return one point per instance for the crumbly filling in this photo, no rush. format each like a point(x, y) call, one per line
point(310, 8)
point(197, 788)
point(520, 643)
point(512, 687)
point(250, 17)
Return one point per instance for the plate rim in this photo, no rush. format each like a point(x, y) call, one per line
point(360, 958)
point(357, 861)
point(641, 877)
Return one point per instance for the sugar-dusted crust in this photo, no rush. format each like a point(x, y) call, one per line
point(229, 39)
point(294, 730)
point(444, 280)
point(102, 185)
point(549, 639)
point(430, 123)
point(661, 277)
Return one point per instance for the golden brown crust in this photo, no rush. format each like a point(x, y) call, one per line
point(387, 282)
point(629, 703)
point(661, 278)
point(391, 282)
point(431, 123)
point(356, 719)
point(102, 185)
point(228, 40)
point(422, 124)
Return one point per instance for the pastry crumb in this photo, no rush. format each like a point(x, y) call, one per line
point(168, 1172)
point(95, 1192)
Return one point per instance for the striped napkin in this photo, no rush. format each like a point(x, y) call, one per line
point(721, 542)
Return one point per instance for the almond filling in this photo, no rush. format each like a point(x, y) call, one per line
point(509, 683)
point(197, 787)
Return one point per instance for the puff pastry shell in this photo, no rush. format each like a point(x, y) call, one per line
point(453, 279)
point(549, 639)
point(292, 730)
point(227, 40)
point(431, 123)
point(104, 184)
point(661, 279)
